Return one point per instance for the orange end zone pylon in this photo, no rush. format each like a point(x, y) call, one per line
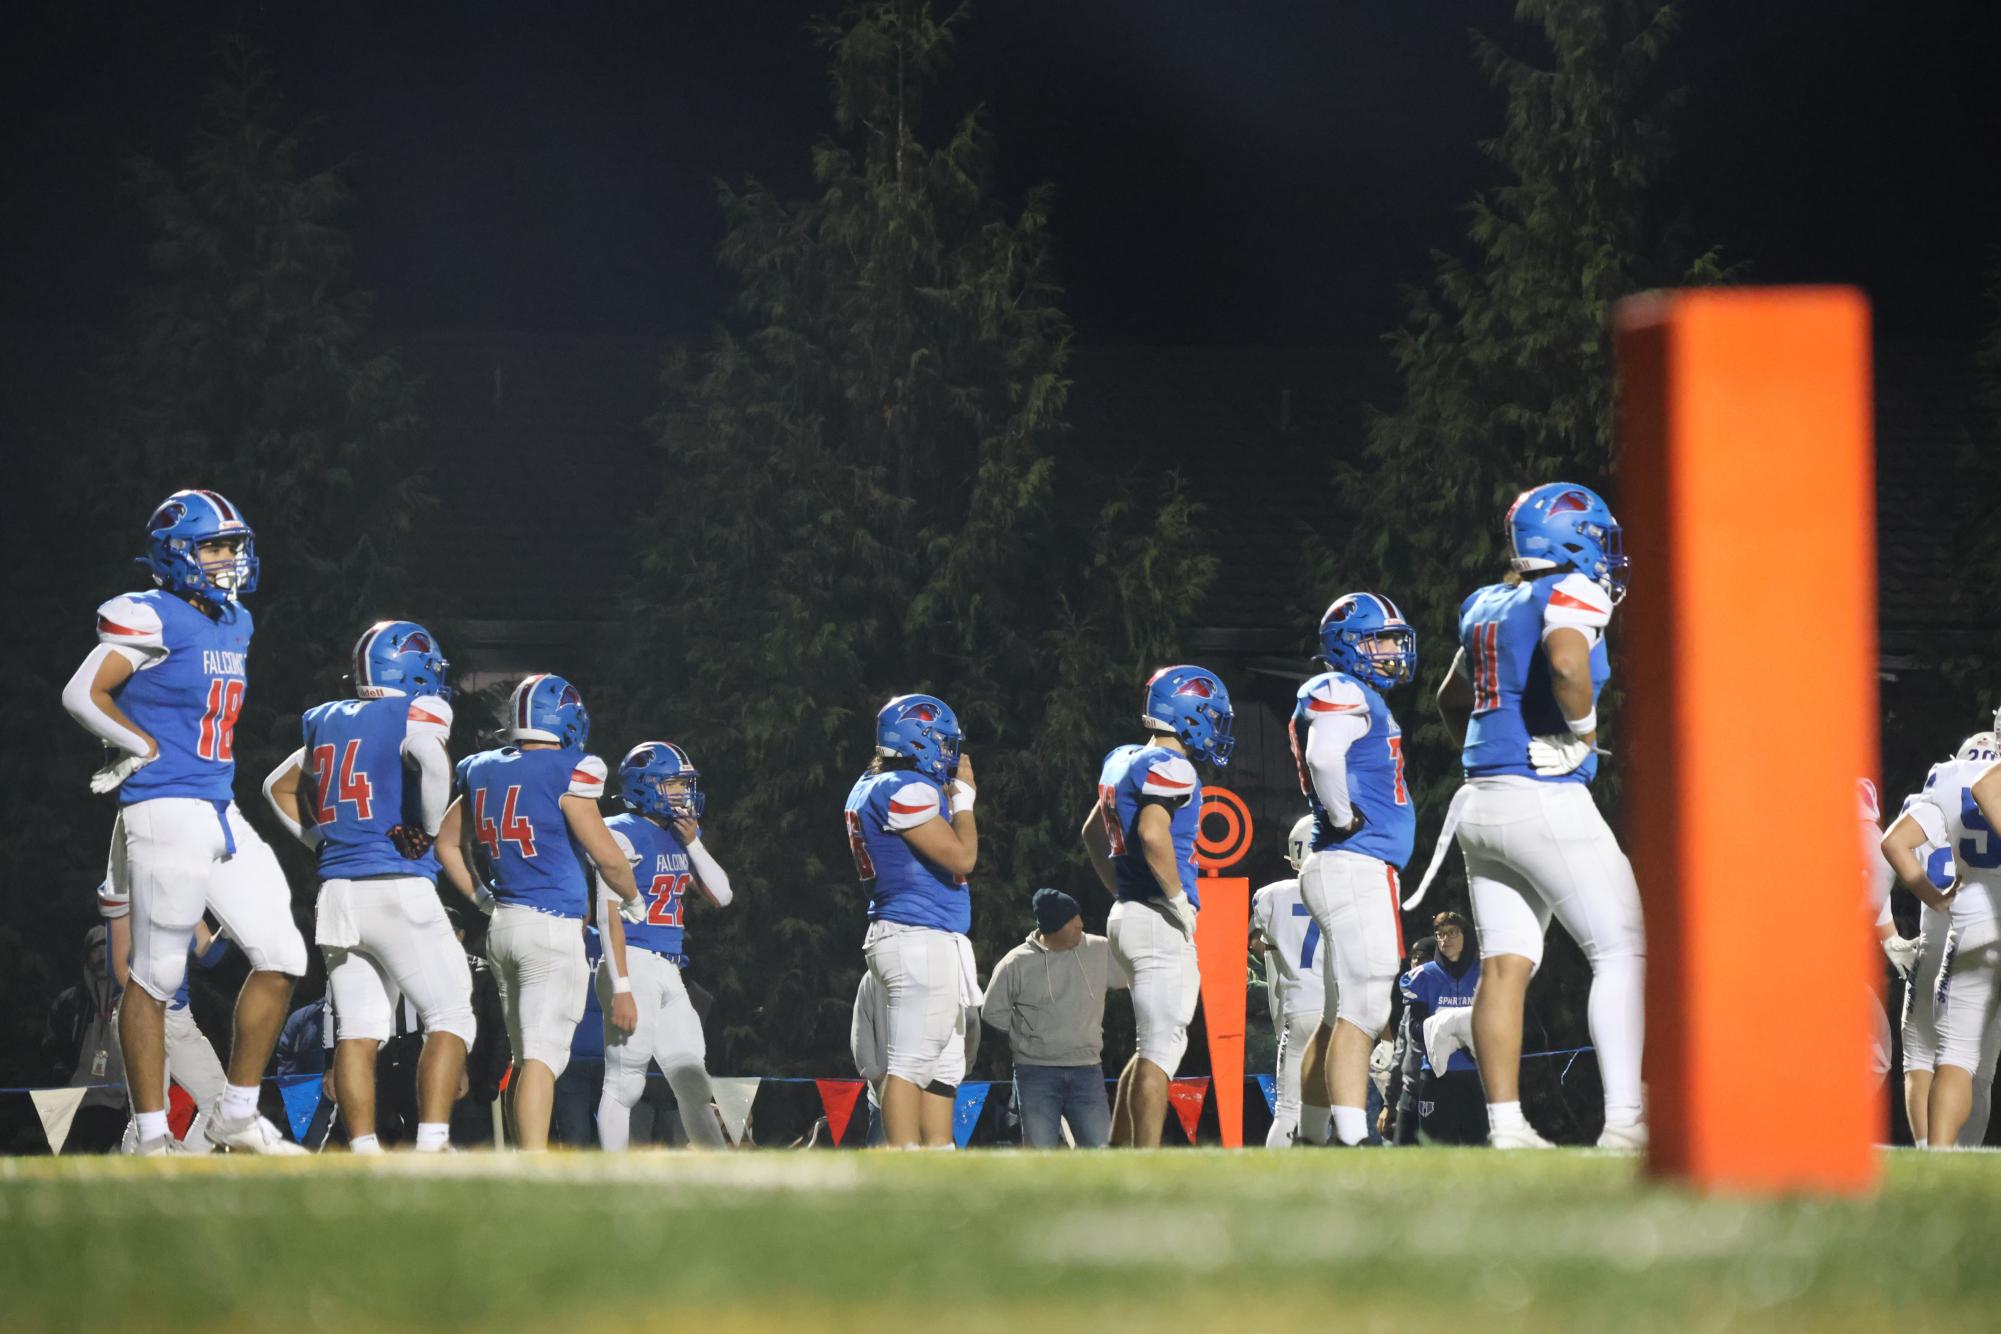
point(1747, 493)
point(1222, 934)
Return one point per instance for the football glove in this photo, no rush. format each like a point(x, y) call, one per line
point(633, 909)
point(1555, 756)
point(111, 775)
point(411, 841)
point(1182, 913)
point(1902, 952)
point(482, 898)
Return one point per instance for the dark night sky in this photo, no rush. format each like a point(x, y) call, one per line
point(1252, 173)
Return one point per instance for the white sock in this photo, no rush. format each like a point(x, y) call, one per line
point(1313, 1124)
point(1920, 1144)
point(1505, 1116)
point(1351, 1124)
point(364, 1144)
point(1618, 1019)
point(238, 1103)
point(432, 1136)
point(1281, 1132)
point(152, 1125)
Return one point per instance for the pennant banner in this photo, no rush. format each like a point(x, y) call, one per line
point(837, 1098)
point(1268, 1085)
point(733, 1100)
point(57, 1108)
point(301, 1094)
point(966, 1111)
point(181, 1111)
point(1188, 1095)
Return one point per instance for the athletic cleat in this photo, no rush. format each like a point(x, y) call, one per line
point(1625, 1139)
point(249, 1134)
point(157, 1147)
point(1523, 1138)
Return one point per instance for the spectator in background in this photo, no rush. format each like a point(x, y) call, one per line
point(305, 1047)
point(81, 1050)
point(1048, 995)
point(1398, 1119)
point(1438, 996)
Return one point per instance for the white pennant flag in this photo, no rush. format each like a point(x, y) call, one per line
point(57, 1108)
point(733, 1099)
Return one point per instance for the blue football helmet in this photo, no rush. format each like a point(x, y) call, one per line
point(1194, 705)
point(1364, 635)
point(182, 522)
point(399, 658)
point(548, 708)
point(1562, 524)
point(657, 778)
point(924, 728)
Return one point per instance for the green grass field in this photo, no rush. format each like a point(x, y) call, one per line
point(1178, 1240)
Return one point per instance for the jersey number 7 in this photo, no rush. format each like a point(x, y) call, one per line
point(513, 828)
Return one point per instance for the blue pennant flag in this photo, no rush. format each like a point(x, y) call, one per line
point(966, 1111)
point(302, 1098)
point(1268, 1085)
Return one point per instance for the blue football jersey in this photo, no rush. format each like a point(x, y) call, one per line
point(1376, 785)
point(1437, 990)
point(660, 866)
point(188, 699)
point(359, 792)
point(1501, 630)
point(514, 800)
point(903, 887)
point(1133, 776)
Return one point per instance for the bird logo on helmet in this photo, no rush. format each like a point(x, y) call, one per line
point(1562, 525)
point(548, 708)
point(399, 658)
point(1192, 704)
point(174, 535)
point(1364, 635)
point(922, 728)
point(657, 778)
point(1299, 843)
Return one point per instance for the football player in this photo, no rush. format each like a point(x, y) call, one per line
point(1140, 838)
point(162, 690)
point(914, 858)
point(1285, 932)
point(1876, 881)
point(367, 792)
point(662, 841)
point(531, 808)
point(1959, 809)
point(1349, 750)
point(1522, 696)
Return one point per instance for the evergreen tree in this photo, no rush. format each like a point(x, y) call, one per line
point(869, 493)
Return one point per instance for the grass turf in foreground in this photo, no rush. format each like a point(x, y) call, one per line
point(1422, 1238)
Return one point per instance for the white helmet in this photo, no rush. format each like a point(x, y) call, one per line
point(1979, 746)
point(1299, 843)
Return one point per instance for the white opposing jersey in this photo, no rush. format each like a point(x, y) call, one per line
point(1946, 812)
point(1877, 877)
point(1293, 945)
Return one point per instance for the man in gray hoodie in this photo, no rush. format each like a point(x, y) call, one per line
point(1048, 996)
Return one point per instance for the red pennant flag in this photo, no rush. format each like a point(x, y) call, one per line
point(1187, 1095)
point(180, 1110)
point(837, 1097)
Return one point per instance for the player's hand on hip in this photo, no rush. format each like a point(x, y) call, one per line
point(1554, 756)
point(111, 775)
point(633, 909)
point(1183, 913)
point(482, 898)
point(624, 1012)
point(1902, 951)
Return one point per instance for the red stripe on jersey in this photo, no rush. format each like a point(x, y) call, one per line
point(1559, 598)
point(910, 810)
point(1165, 781)
point(576, 775)
point(1328, 706)
point(113, 628)
point(417, 715)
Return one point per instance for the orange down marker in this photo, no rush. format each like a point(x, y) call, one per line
point(1222, 933)
point(1747, 493)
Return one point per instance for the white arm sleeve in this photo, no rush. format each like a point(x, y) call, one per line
point(715, 880)
point(429, 722)
point(1340, 718)
point(308, 835)
point(83, 707)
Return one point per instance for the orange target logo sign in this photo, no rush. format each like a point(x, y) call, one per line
point(1224, 833)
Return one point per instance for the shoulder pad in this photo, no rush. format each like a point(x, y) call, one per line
point(1170, 777)
point(911, 804)
point(1331, 693)
point(1576, 601)
point(587, 776)
point(128, 621)
point(429, 713)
